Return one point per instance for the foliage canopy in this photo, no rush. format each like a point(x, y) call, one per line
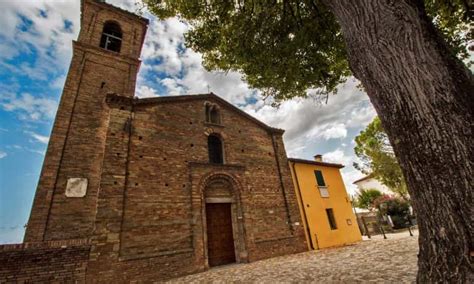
point(287, 47)
point(378, 159)
point(366, 198)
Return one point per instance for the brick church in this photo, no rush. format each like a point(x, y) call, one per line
point(157, 187)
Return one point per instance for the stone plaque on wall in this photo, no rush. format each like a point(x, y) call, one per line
point(76, 187)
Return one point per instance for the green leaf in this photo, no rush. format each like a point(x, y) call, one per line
point(287, 47)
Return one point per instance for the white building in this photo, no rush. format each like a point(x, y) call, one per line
point(368, 182)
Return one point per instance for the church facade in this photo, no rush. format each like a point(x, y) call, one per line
point(158, 187)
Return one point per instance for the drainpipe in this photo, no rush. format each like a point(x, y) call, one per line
point(302, 204)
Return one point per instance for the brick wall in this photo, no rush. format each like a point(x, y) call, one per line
point(147, 166)
point(150, 221)
point(76, 146)
point(59, 261)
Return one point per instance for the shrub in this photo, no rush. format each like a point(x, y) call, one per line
point(366, 197)
point(398, 209)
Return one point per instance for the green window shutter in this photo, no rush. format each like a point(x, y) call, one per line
point(319, 178)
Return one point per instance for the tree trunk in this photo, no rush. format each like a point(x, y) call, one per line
point(424, 98)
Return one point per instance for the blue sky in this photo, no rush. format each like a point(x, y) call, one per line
point(35, 50)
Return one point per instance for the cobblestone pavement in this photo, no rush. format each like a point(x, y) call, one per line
point(376, 260)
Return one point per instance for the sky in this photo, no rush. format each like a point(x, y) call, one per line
point(35, 51)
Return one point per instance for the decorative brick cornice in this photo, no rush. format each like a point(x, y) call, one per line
point(47, 244)
point(115, 101)
point(113, 8)
point(105, 53)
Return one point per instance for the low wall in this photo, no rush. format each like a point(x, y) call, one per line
point(55, 261)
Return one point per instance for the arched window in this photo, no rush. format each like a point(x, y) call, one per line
point(214, 115)
point(208, 110)
point(111, 37)
point(214, 145)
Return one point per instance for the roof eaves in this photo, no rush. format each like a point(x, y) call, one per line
point(164, 99)
point(243, 113)
point(110, 6)
point(316, 163)
point(363, 178)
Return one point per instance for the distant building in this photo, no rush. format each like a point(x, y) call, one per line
point(369, 182)
point(325, 207)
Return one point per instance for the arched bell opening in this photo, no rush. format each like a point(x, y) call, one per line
point(111, 37)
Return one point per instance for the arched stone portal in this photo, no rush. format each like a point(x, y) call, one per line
point(222, 218)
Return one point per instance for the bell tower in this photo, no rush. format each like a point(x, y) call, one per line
point(105, 59)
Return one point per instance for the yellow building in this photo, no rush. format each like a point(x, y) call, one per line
point(325, 208)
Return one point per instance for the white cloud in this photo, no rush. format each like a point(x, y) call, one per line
point(335, 131)
point(173, 86)
point(310, 125)
point(29, 107)
point(58, 83)
point(164, 52)
point(362, 116)
point(39, 28)
point(38, 137)
point(349, 175)
point(337, 156)
point(302, 115)
point(165, 42)
point(146, 92)
point(2, 154)
point(39, 152)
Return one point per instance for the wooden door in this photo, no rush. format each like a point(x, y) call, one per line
point(220, 239)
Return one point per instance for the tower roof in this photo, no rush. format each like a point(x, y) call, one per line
point(106, 5)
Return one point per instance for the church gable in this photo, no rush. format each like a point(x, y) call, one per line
point(213, 105)
point(176, 144)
